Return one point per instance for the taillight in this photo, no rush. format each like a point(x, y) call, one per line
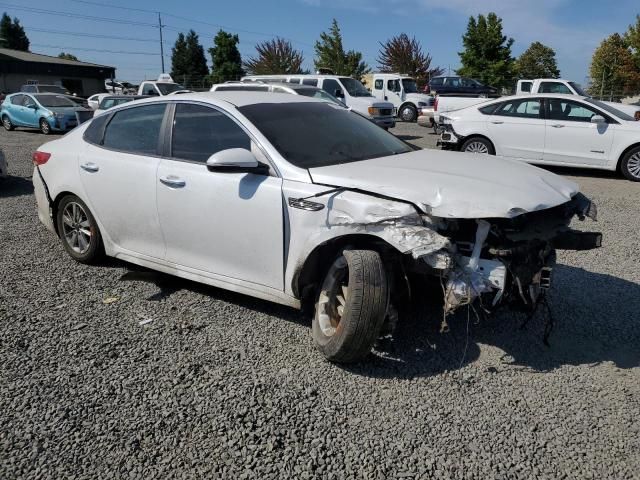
point(435, 105)
point(40, 158)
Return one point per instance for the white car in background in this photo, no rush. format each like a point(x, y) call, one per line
point(547, 129)
point(94, 100)
point(305, 203)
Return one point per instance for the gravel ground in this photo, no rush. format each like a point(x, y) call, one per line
point(218, 385)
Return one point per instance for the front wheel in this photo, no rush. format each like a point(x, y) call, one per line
point(408, 113)
point(351, 306)
point(630, 165)
point(6, 122)
point(45, 127)
point(78, 230)
point(478, 145)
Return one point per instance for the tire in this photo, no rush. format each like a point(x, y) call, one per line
point(45, 128)
point(478, 145)
point(6, 122)
point(408, 113)
point(630, 165)
point(79, 230)
point(345, 330)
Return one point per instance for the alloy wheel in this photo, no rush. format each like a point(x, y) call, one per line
point(333, 297)
point(77, 228)
point(44, 126)
point(477, 147)
point(633, 165)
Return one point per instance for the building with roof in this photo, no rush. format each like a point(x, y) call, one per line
point(18, 68)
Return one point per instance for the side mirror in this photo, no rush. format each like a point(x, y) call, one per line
point(235, 160)
point(598, 119)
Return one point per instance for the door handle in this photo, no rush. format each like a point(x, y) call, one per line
point(557, 125)
point(90, 167)
point(173, 181)
point(385, 97)
point(497, 122)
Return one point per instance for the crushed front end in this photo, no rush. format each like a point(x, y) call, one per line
point(498, 261)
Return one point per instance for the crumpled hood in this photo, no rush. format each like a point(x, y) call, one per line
point(452, 184)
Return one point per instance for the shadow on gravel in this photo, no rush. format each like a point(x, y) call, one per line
point(15, 186)
point(595, 316)
point(407, 138)
point(596, 321)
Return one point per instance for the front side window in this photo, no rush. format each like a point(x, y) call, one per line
point(318, 134)
point(393, 85)
point(167, 88)
point(354, 87)
point(135, 130)
point(526, 86)
point(528, 108)
point(554, 87)
point(27, 101)
point(149, 89)
point(452, 82)
point(436, 82)
point(409, 85)
point(570, 111)
point(332, 86)
point(200, 131)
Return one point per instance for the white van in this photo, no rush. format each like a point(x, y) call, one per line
point(347, 89)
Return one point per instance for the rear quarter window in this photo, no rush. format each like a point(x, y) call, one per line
point(95, 131)
point(489, 109)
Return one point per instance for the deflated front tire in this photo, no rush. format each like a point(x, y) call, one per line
point(351, 306)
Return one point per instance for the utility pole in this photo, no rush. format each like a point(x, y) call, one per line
point(161, 43)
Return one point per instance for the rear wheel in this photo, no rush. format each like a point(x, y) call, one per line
point(630, 165)
point(351, 306)
point(79, 230)
point(478, 145)
point(45, 127)
point(6, 122)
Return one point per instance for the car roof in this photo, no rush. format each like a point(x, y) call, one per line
point(566, 96)
point(236, 98)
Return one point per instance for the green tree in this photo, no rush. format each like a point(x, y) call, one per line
point(330, 54)
point(12, 34)
point(487, 52)
point(226, 59)
point(404, 55)
point(188, 62)
point(537, 61)
point(632, 39)
point(274, 57)
point(614, 73)
point(67, 56)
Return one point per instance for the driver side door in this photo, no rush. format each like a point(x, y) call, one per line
point(224, 225)
point(29, 111)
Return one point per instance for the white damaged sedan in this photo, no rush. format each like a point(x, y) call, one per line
point(304, 203)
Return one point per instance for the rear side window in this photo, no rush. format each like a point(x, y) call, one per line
point(310, 81)
point(17, 99)
point(200, 131)
point(489, 109)
point(95, 130)
point(436, 82)
point(378, 84)
point(135, 130)
point(527, 108)
point(526, 86)
point(294, 80)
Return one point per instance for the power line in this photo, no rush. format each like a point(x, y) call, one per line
point(77, 15)
point(91, 35)
point(96, 50)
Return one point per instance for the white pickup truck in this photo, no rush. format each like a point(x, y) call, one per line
point(526, 87)
point(163, 86)
point(402, 91)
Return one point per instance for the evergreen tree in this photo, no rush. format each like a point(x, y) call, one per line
point(487, 52)
point(538, 61)
point(632, 39)
point(225, 56)
point(12, 34)
point(613, 71)
point(404, 55)
point(67, 56)
point(188, 63)
point(330, 54)
point(275, 56)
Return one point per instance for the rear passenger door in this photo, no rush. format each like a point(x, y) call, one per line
point(118, 172)
point(517, 129)
point(224, 225)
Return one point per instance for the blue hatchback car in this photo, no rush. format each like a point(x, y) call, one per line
point(45, 111)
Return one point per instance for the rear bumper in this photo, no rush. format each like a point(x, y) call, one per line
point(42, 200)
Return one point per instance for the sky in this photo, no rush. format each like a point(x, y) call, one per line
point(573, 28)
